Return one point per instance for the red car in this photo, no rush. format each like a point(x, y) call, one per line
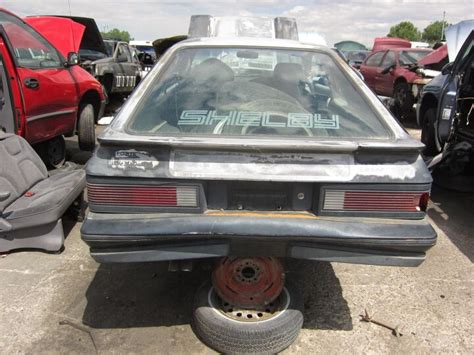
point(392, 73)
point(52, 96)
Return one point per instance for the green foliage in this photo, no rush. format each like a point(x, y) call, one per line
point(432, 32)
point(405, 30)
point(116, 34)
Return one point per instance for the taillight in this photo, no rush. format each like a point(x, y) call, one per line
point(136, 195)
point(376, 201)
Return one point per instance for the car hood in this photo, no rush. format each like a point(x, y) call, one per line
point(456, 35)
point(436, 56)
point(92, 39)
point(104, 60)
point(62, 33)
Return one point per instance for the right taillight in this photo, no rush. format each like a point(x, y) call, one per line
point(375, 201)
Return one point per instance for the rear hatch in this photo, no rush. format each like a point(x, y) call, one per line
point(212, 133)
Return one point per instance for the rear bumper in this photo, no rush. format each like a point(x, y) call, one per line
point(140, 238)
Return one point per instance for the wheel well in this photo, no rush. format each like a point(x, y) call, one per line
point(108, 81)
point(91, 97)
point(428, 101)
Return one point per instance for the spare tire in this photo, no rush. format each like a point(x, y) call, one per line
point(234, 331)
point(86, 128)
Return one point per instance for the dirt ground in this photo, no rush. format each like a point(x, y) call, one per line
point(63, 303)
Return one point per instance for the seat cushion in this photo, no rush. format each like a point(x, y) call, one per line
point(20, 168)
point(46, 201)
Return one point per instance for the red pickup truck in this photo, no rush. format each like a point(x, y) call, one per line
point(52, 96)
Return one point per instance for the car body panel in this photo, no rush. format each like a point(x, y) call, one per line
point(384, 43)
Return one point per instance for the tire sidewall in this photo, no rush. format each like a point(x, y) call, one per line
point(279, 332)
point(407, 105)
point(86, 127)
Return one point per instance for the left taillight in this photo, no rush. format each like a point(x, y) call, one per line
point(339, 200)
point(146, 196)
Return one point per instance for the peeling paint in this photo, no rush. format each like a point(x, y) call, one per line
point(133, 159)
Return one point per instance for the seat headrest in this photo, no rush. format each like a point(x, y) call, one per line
point(291, 72)
point(212, 69)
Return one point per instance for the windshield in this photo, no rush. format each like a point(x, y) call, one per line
point(146, 49)
point(247, 92)
point(412, 57)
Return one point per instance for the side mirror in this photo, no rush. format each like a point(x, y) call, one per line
point(447, 68)
point(72, 59)
point(387, 69)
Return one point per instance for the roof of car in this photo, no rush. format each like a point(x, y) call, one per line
point(249, 42)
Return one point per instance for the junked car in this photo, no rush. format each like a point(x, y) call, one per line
point(445, 109)
point(393, 73)
point(111, 62)
point(52, 96)
point(250, 152)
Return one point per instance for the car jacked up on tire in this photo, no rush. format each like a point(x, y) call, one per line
point(285, 154)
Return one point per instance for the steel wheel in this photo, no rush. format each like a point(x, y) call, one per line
point(248, 282)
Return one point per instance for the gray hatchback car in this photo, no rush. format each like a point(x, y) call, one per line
point(251, 151)
point(232, 146)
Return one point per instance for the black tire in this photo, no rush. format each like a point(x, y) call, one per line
point(403, 99)
point(428, 133)
point(55, 152)
point(86, 128)
point(231, 336)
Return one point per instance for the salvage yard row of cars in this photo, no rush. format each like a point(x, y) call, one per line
point(246, 151)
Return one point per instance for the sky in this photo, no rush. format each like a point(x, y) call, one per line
point(336, 20)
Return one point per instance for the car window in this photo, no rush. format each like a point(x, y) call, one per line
point(389, 59)
point(123, 52)
point(411, 57)
point(109, 46)
point(374, 59)
point(247, 92)
point(30, 49)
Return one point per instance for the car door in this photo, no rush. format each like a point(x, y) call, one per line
point(48, 89)
point(369, 68)
point(447, 108)
point(384, 81)
point(7, 117)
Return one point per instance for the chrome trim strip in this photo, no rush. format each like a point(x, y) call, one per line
point(50, 114)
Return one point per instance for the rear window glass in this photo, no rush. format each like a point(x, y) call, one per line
point(251, 91)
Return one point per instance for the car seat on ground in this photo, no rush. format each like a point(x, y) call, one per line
point(31, 202)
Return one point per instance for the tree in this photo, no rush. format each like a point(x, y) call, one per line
point(405, 30)
point(118, 35)
point(433, 32)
